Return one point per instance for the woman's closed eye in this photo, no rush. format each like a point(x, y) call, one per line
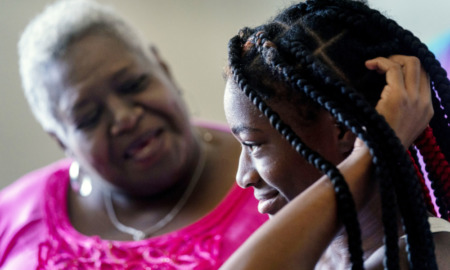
point(89, 120)
point(251, 146)
point(135, 85)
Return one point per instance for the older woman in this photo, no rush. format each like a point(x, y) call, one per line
point(142, 185)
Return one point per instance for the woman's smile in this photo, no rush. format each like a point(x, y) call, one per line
point(269, 202)
point(145, 147)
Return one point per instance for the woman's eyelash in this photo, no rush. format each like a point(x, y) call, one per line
point(89, 120)
point(134, 86)
point(250, 145)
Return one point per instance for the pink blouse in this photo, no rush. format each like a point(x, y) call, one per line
point(35, 231)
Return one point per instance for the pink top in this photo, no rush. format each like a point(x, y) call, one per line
point(35, 231)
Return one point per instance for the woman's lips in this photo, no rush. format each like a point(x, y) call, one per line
point(144, 147)
point(268, 204)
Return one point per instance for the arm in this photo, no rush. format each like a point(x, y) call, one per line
point(302, 230)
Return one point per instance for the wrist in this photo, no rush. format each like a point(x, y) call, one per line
point(357, 171)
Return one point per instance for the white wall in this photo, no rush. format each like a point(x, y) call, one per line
point(192, 36)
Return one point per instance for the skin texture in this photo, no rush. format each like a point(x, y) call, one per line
point(125, 123)
point(300, 232)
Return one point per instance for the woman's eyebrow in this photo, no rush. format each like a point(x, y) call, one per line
point(244, 129)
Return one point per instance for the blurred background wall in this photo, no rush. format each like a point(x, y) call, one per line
point(191, 35)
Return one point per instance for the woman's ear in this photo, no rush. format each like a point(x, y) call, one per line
point(60, 143)
point(346, 140)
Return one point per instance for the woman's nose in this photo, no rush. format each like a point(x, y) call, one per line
point(126, 114)
point(247, 175)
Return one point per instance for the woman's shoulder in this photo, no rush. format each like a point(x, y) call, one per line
point(22, 208)
point(31, 182)
point(26, 193)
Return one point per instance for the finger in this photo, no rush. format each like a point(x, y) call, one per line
point(373, 64)
point(393, 71)
point(411, 69)
point(417, 81)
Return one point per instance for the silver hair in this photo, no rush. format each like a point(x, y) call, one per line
point(50, 33)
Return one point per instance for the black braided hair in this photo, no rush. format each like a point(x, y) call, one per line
point(317, 50)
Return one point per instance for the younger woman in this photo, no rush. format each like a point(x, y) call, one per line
point(301, 89)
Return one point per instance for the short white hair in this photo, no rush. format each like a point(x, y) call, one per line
point(50, 33)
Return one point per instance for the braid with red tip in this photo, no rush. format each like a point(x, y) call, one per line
point(438, 170)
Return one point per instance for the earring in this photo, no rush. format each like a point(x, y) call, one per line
point(81, 184)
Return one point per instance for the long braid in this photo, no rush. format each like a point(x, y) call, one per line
point(425, 190)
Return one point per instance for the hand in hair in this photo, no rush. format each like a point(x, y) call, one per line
point(406, 99)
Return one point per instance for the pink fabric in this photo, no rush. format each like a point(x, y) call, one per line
point(35, 232)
